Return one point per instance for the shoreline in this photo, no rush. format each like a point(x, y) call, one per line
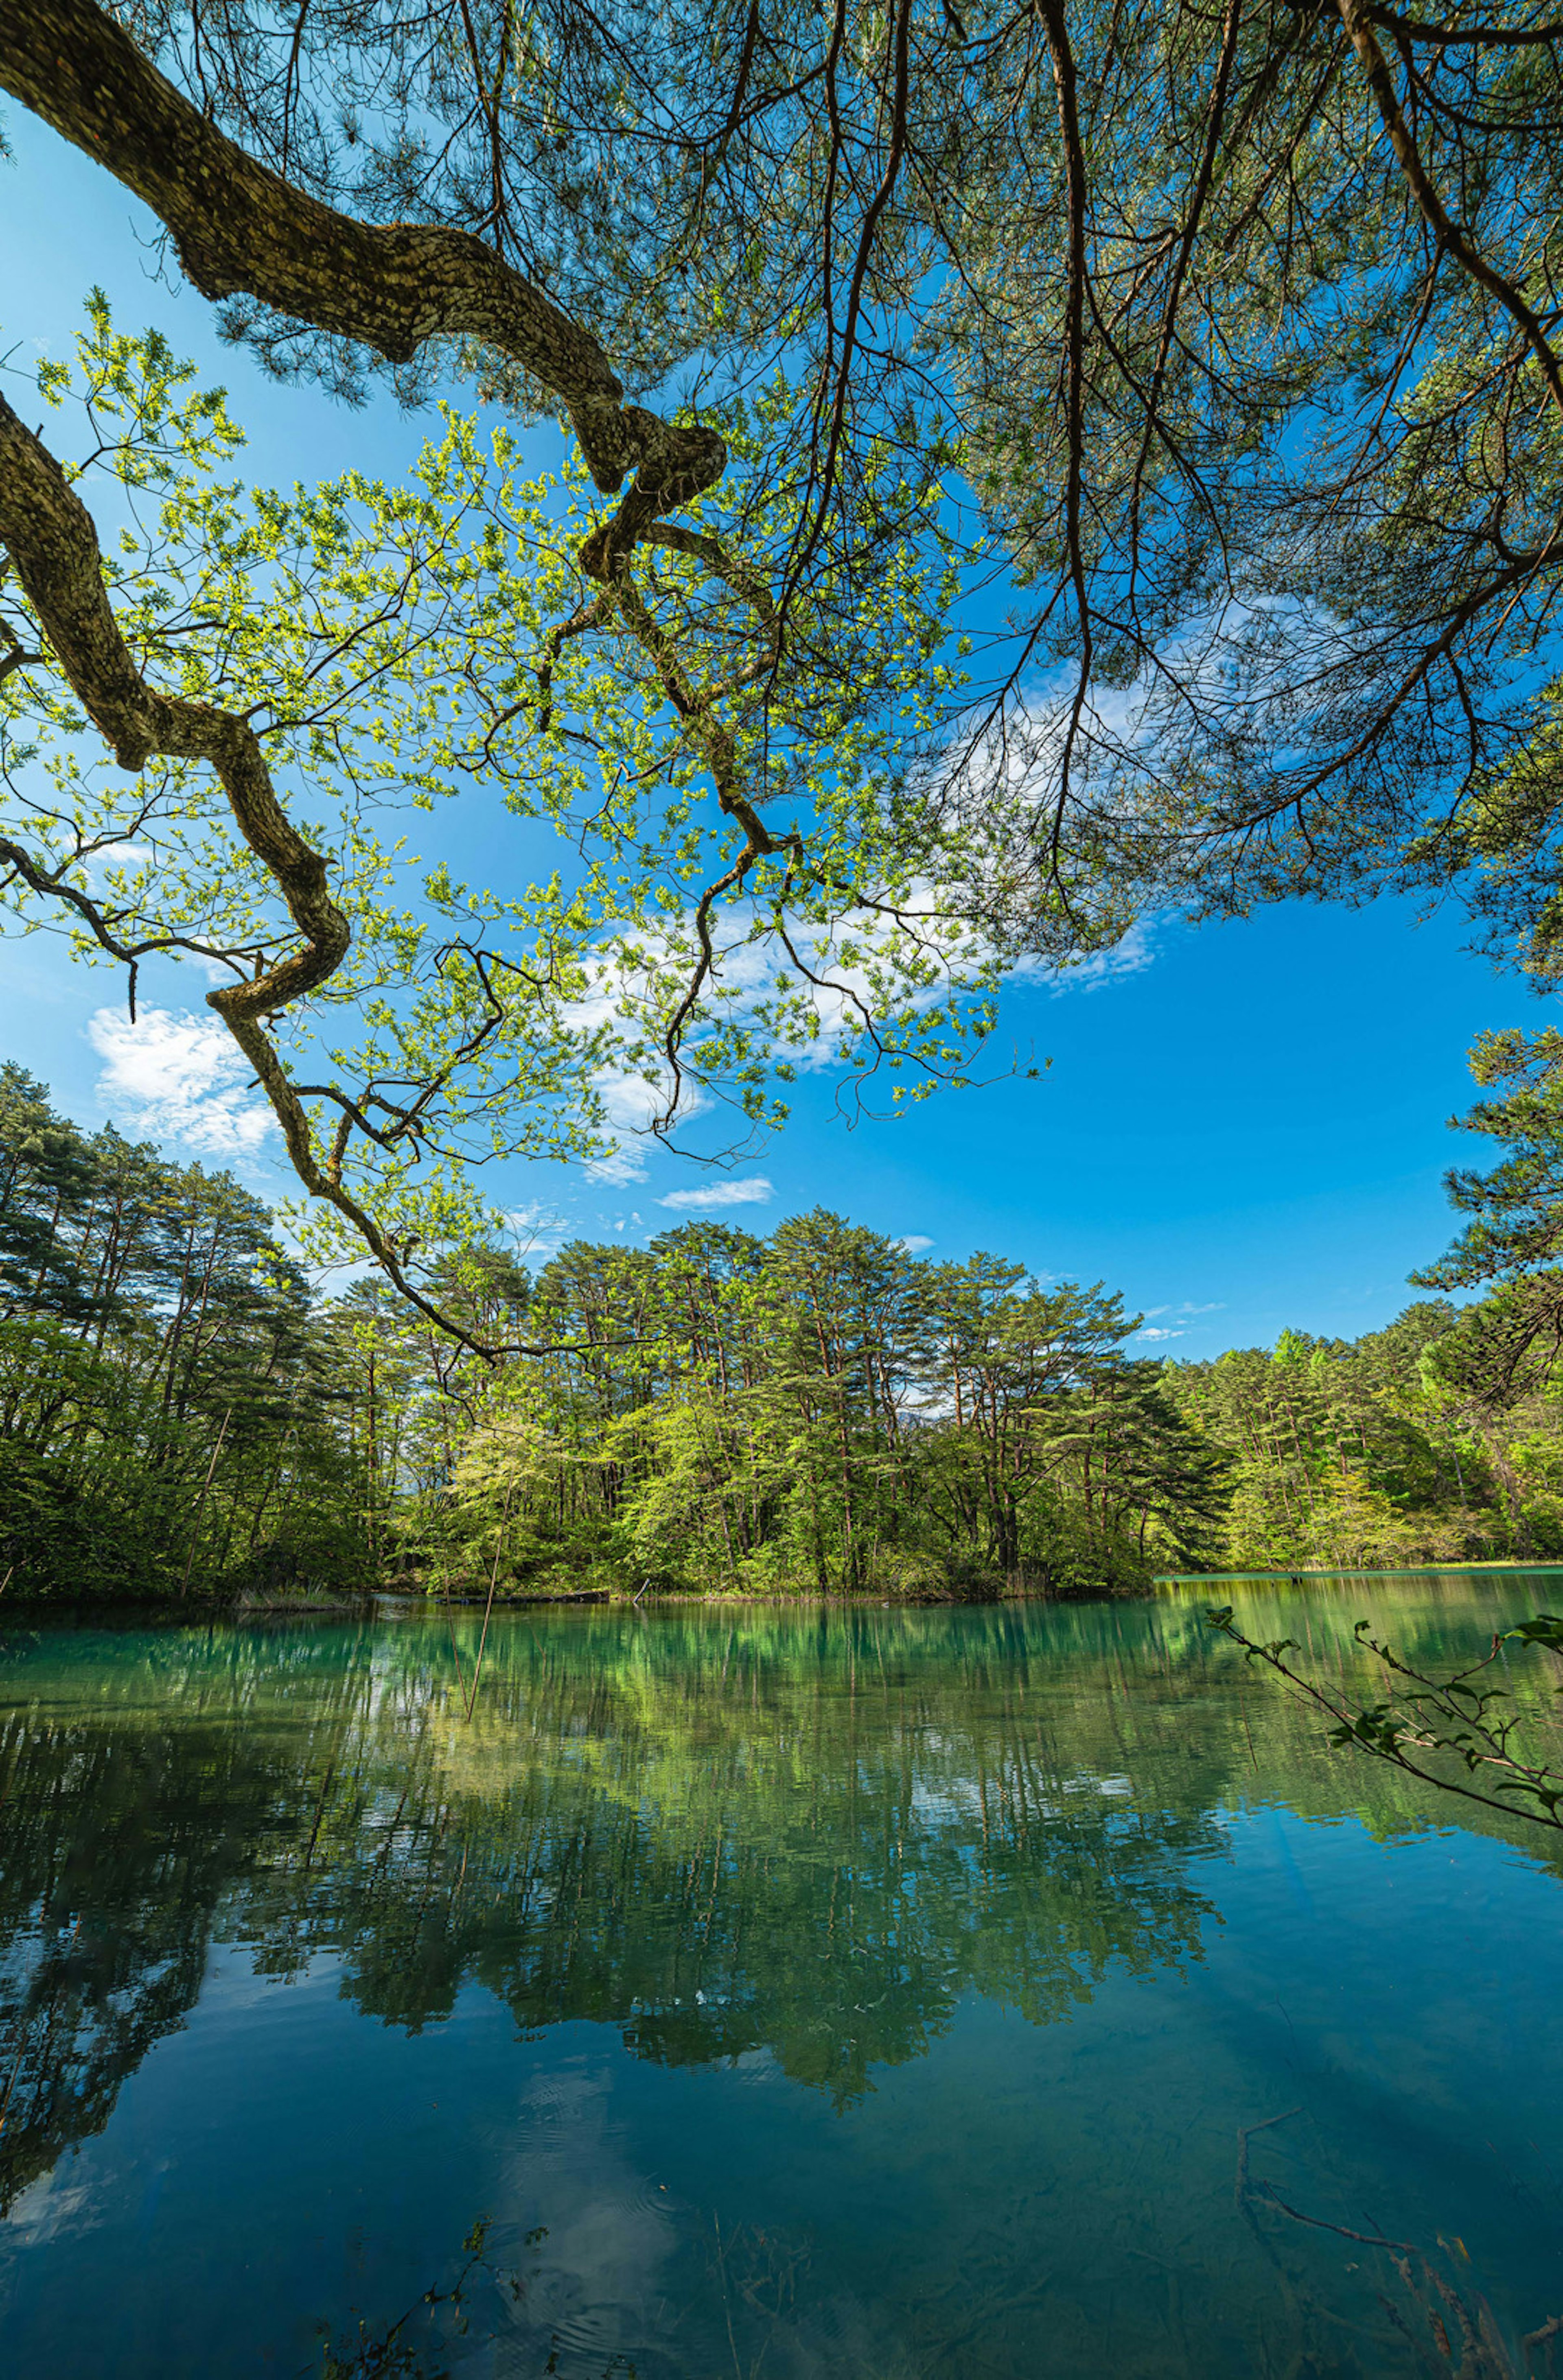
point(372, 1602)
point(391, 1603)
point(1402, 1569)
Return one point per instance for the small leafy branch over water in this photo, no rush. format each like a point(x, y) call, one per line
point(439, 2321)
point(392, 2353)
point(1427, 1725)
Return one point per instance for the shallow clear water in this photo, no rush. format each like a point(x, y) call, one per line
point(884, 1994)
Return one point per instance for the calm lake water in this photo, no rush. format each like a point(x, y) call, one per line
point(884, 1994)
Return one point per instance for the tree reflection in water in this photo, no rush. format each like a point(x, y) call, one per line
point(718, 1840)
point(806, 1835)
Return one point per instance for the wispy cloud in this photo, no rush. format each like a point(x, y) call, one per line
point(914, 1243)
point(1158, 1334)
point(180, 1078)
point(630, 1105)
point(538, 1231)
point(1095, 969)
point(862, 965)
point(755, 1192)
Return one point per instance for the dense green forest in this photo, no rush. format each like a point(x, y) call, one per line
point(1438, 1439)
point(176, 1406)
point(819, 1411)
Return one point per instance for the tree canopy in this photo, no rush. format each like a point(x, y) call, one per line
point(1213, 349)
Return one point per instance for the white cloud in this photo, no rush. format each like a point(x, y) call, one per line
point(180, 1078)
point(755, 1192)
point(914, 1243)
point(857, 966)
point(1131, 956)
point(621, 1164)
point(874, 962)
point(538, 1231)
point(631, 1105)
point(1158, 1334)
point(131, 858)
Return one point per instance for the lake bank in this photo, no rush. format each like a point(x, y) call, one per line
point(391, 1601)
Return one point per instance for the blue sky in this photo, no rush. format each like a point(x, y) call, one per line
point(1242, 1126)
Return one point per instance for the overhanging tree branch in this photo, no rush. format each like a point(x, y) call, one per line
point(53, 548)
point(1359, 29)
point(239, 229)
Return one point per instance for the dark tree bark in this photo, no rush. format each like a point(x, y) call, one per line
point(240, 228)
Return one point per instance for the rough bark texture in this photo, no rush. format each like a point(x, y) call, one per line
point(52, 546)
point(240, 228)
point(50, 542)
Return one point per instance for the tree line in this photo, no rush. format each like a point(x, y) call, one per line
point(817, 1412)
point(175, 1406)
point(1438, 1439)
point(822, 1413)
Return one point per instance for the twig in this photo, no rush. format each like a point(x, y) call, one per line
point(1459, 1725)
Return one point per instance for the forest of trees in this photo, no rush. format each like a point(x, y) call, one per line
point(176, 1407)
point(818, 1411)
point(1438, 1439)
point(1022, 470)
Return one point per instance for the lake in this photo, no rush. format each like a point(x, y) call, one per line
point(1018, 1990)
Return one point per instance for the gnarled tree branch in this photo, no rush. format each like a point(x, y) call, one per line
point(53, 548)
point(239, 229)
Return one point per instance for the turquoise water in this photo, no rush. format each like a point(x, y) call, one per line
point(883, 1994)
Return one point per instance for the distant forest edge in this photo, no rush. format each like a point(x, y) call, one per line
point(816, 1413)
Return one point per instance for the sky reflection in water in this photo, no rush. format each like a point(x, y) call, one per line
point(878, 1994)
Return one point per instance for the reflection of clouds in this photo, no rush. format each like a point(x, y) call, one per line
point(599, 2287)
point(552, 1863)
point(755, 2066)
point(969, 1798)
point(633, 2268)
point(49, 2205)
